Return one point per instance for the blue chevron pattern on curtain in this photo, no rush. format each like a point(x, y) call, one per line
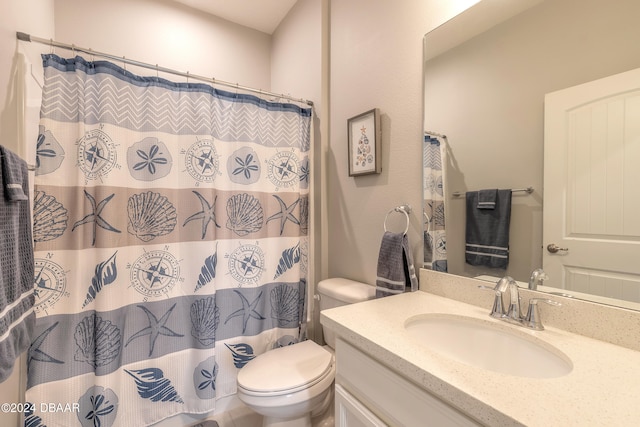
point(171, 243)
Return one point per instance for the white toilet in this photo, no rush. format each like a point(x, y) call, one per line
point(289, 385)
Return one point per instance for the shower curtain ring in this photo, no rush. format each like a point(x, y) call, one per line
point(51, 46)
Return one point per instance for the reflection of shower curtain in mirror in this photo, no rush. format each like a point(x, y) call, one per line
point(434, 165)
point(171, 243)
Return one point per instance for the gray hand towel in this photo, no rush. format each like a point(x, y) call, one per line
point(487, 199)
point(17, 317)
point(487, 231)
point(395, 271)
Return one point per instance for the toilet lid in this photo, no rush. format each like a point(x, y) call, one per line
point(285, 368)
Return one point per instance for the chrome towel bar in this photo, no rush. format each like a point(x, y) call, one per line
point(527, 190)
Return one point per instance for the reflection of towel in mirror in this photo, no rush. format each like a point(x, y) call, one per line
point(17, 317)
point(487, 231)
point(395, 266)
point(487, 199)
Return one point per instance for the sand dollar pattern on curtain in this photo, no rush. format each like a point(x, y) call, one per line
point(171, 233)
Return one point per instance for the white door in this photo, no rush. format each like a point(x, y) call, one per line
point(592, 187)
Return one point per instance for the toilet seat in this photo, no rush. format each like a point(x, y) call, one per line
point(286, 370)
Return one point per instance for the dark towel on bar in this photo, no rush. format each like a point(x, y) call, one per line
point(17, 316)
point(487, 231)
point(487, 199)
point(395, 266)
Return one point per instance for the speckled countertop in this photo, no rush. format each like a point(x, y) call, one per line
point(603, 388)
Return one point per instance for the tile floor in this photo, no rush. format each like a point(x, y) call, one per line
point(245, 417)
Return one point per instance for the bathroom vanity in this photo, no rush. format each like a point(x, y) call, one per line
point(368, 393)
point(388, 376)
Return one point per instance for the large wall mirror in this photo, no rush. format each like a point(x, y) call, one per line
point(490, 76)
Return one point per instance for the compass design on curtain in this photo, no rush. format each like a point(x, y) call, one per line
point(283, 169)
point(50, 284)
point(96, 154)
point(154, 273)
point(202, 161)
point(246, 264)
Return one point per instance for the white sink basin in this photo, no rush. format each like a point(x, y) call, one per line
point(487, 345)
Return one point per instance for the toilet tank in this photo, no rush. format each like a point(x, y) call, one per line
point(337, 292)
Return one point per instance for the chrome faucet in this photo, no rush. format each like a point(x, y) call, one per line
point(532, 321)
point(513, 313)
point(537, 277)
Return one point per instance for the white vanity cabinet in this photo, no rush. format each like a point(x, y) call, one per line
point(350, 412)
point(370, 394)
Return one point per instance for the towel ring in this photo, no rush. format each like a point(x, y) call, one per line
point(405, 209)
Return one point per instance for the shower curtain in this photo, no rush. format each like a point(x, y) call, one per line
point(434, 172)
point(171, 241)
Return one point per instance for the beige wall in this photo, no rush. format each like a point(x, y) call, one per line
point(170, 34)
point(295, 53)
point(376, 62)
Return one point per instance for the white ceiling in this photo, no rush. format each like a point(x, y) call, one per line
point(262, 15)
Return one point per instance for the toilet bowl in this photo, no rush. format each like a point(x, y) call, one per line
point(289, 385)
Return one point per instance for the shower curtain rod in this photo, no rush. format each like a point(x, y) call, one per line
point(29, 38)
point(441, 135)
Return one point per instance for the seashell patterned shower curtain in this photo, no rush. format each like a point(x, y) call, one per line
point(434, 164)
point(171, 240)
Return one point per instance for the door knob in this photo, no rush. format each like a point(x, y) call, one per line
point(553, 248)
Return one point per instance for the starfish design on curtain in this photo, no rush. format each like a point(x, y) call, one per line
point(247, 311)
point(95, 217)
point(156, 328)
point(285, 214)
point(207, 214)
point(34, 350)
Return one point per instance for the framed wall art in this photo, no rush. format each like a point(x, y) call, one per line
point(364, 143)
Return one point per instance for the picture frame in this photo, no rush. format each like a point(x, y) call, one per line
point(364, 137)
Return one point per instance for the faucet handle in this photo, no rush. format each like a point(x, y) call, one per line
point(503, 284)
point(532, 320)
point(497, 310)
